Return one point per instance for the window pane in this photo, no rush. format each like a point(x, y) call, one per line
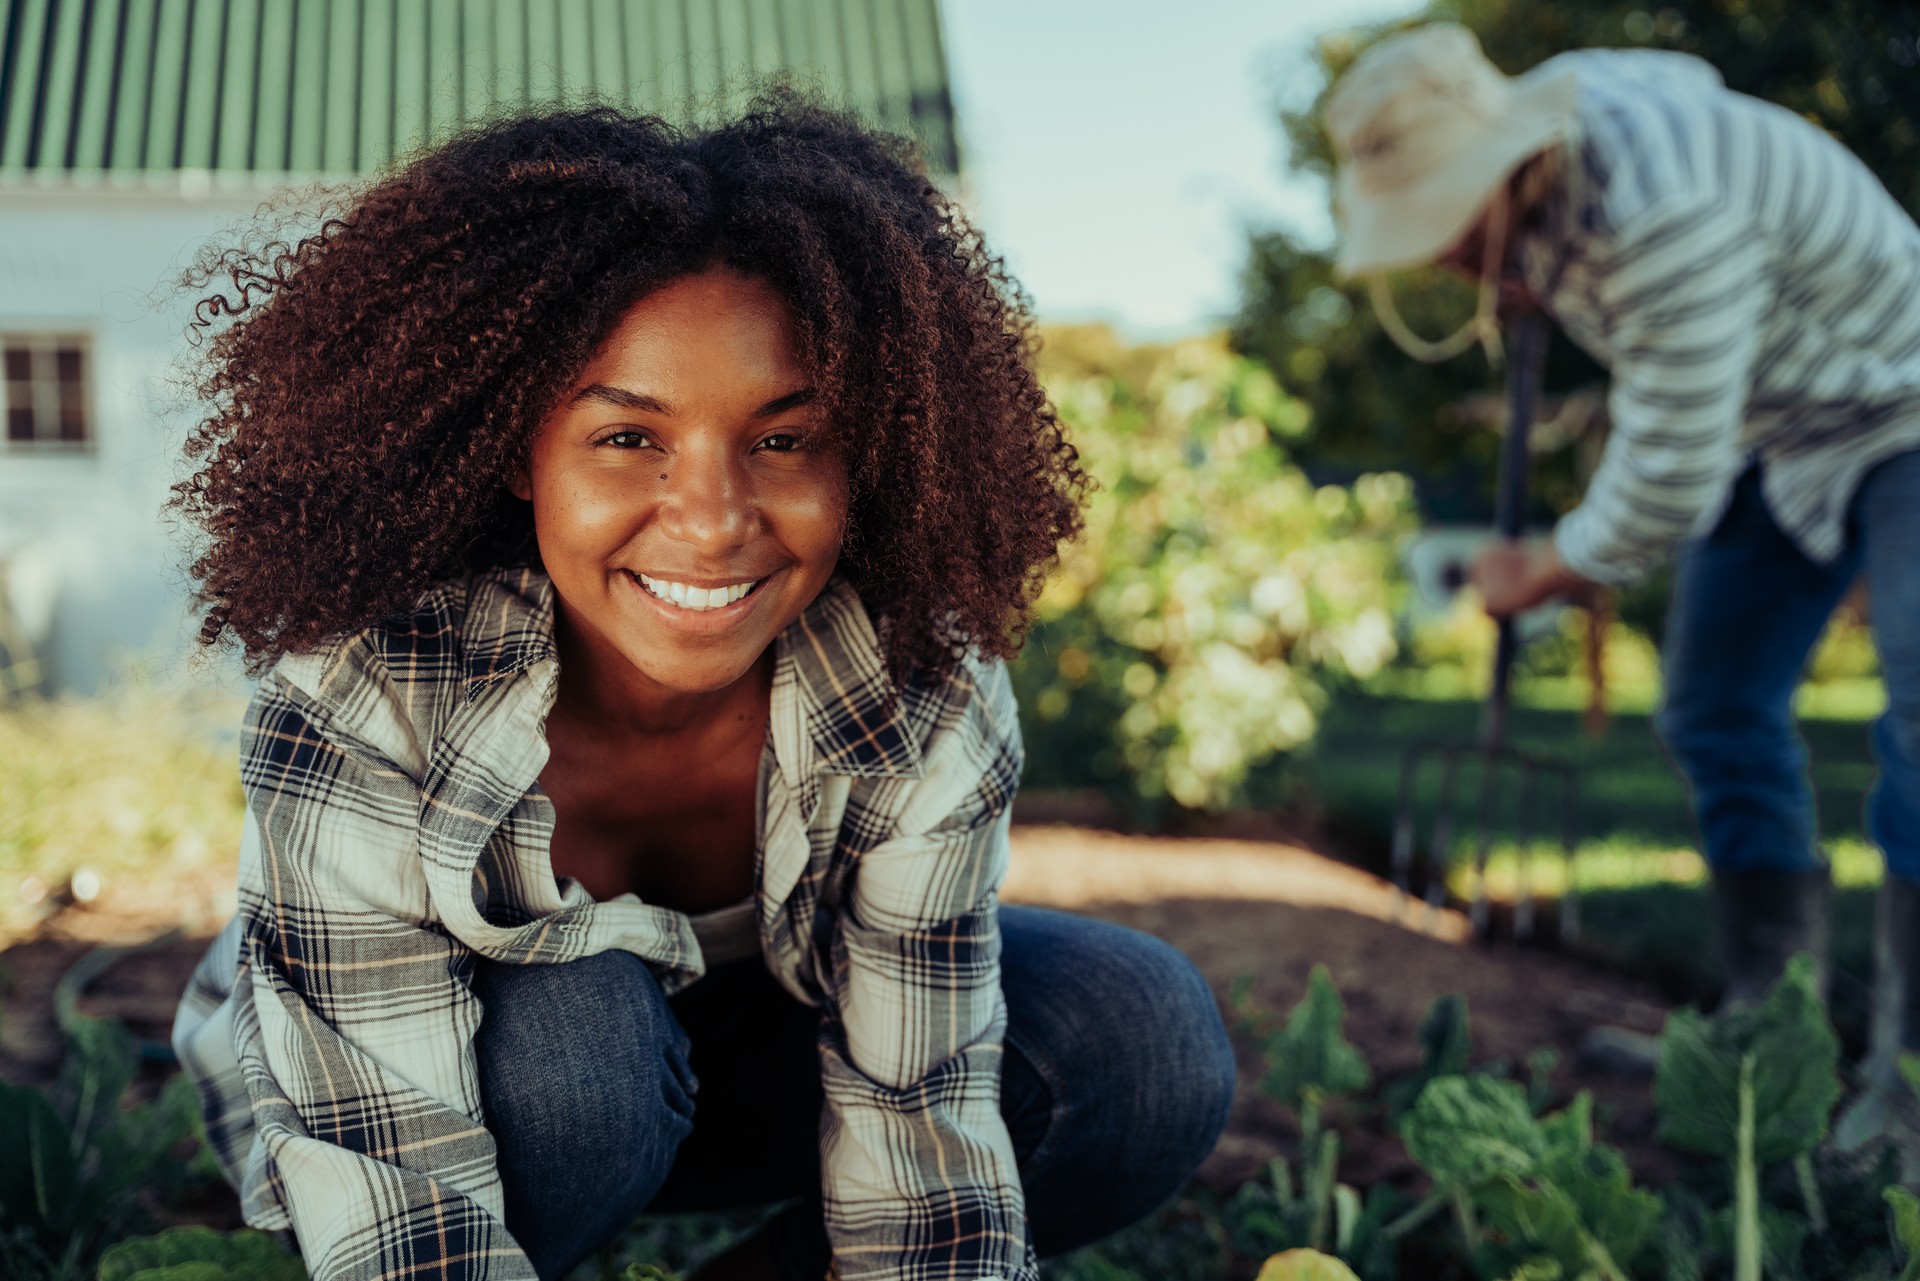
point(67, 361)
point(19, 424)
point(19, 364)
point(73, 422)
point(19, 395)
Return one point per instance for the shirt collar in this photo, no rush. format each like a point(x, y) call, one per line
point(508, 626)
point(854, 721)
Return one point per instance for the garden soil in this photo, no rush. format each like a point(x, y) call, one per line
point(1264, 908)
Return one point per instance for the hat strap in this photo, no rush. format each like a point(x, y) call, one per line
point(1483, 327)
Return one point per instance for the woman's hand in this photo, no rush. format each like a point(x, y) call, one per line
point(1514, 574)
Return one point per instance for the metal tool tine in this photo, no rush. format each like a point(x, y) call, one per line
point(1404, 828)
point(1569, 840)
point(1478, 912)
point(1523, 852)
point(1439, 852)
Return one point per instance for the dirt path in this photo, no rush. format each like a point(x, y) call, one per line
point(1262, 908)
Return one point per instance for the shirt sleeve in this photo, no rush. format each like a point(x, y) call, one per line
point(919, 1175)
point(355, 1022)
point(1683, 295)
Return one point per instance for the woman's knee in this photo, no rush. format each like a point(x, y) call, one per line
point(586, 1088)
point(1120, 1036)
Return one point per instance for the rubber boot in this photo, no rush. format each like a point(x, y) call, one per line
point(1888, 1108)
point(1763, 920)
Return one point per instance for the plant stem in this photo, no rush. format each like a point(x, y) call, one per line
point(1470, 1225)
point(1746, 1185)
point(1810, 1193)
point(1309, 1123)
point(1326, 1169)
point(1433, 1203)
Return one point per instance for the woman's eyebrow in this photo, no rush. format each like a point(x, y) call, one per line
point(621, 398)
point(792, 400)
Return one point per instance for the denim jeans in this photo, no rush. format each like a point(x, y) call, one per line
point(1748, 607)
point(607, 1098)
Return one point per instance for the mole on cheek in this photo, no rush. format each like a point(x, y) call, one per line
point(663, 475)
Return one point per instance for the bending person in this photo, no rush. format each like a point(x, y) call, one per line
point(1755, 294)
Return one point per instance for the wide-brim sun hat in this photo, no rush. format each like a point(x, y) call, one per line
point(1425, 130)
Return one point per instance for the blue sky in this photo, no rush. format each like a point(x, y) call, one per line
point(1117, 150)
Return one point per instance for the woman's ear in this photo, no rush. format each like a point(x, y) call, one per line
point(520, 485)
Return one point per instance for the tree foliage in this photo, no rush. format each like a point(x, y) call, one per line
point(1850, 66)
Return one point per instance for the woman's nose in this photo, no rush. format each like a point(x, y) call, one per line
point(708, 504)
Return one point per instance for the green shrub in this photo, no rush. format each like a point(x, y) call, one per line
point(1190, 636)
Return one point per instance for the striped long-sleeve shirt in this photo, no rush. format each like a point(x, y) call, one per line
point(396, 832)
point(1754, 293)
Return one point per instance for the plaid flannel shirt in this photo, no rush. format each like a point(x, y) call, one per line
point(396, 832)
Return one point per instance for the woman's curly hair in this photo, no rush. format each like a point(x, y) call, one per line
point(373, 387)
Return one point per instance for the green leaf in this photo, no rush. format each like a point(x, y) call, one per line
point(647, 1272)
point(1621, 1219)
point(1906, 1229)
point(1696, 1088)
point(1468, 1130)
point(39, 1170)
point(1909, 1065)
point(245, 1255)
point(1540, 1216)
point(1311, 1053)
point(1568, 1132)
point(99, 1066)
point(1541, 1269)
point(1445, 1047)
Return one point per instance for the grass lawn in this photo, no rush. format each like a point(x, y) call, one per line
point(1641, 881)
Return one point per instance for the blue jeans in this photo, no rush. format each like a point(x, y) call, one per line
point(1748, 607)
point(607, 1098)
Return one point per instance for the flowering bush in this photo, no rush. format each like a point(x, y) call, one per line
point(1188, 637)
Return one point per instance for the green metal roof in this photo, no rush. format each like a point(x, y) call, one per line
point(344, 86)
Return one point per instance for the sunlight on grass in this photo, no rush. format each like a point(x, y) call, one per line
point(1618, 863)
point(137, 781)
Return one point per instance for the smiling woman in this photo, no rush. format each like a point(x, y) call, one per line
point(631, 527)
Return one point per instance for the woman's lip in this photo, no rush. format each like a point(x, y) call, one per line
point(701, 622)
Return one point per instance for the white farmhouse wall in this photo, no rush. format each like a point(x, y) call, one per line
point(92, 571)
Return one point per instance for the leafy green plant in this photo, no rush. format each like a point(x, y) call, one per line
point(1310, 1062)
point(201, 1254)
point(1531, 1194)
point(1754, 1084)
point(72, 1159)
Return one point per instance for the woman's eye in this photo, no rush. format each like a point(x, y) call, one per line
point(627, 440)
point(781, 442)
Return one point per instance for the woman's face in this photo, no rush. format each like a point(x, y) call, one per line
point(686, 503)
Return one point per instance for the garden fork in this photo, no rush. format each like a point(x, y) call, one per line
point(1503, 770)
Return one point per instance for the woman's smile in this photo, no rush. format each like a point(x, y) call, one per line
point(690, 595)
point(688, 606)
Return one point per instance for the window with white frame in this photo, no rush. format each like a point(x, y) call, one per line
point(47, 401)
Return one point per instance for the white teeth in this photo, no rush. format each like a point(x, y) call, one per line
point(697, 598)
